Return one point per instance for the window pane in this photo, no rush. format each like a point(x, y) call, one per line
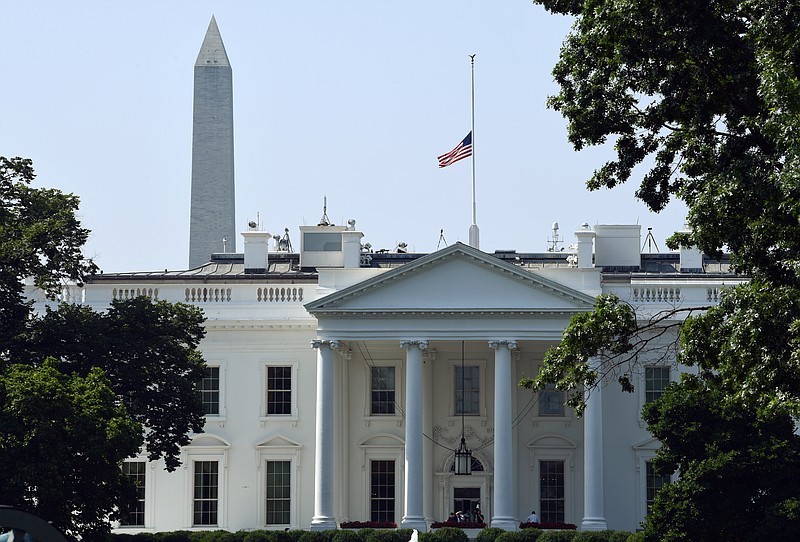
point(382, 491)
point(551, 491)
point(135, 470)
point(467, 386)
point(383, 391)
point(278, 492)
point(656, 380)
point(654, 483)
point(322, 242)
point(551, 401)
point(206, 491)
point(209, 391)
point(279, 390)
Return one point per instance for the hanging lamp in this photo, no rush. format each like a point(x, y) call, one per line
point(463, 456)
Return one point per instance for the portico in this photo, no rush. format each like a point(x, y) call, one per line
point(412, 321)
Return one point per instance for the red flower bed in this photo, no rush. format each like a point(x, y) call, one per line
point(368, 525)
point(458, 524)
point(568, 526)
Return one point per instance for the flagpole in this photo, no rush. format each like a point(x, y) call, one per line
point(474, 233)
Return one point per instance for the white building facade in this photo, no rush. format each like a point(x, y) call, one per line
point(340, 383)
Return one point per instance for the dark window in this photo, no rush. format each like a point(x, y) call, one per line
point(466, 500)
point(654, 483)
point(135, 470)
point(656, 380)
point(206, 492)
point(551, 401)
point(279, 391)
point(322, 242)
point(209, 391)
point(467, 391)
point(279, 490)
point(383, 391)
point(551, 491)
point(382, 491)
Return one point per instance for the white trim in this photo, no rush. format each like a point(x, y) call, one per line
point(206, 447)
point(384, 450)
point(399, 390)
point(263, 417)
point(552, 447)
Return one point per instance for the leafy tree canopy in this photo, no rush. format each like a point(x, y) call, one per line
point(82, 390)
point(705, 94)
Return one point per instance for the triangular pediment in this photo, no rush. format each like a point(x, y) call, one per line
point(278, 441)
point(457, 279)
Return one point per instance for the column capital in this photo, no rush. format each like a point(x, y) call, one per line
point(512, 345)
point(421, 344)
point(319, 343)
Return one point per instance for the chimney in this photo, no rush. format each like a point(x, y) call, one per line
point(256, 249)
point(585, 241)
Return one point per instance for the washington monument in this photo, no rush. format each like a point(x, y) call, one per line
point(212, 222)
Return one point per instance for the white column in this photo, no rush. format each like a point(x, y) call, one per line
point(593, 510)
point(503, 509)
point(323, 460)
point(427, 444)
point(414, 514)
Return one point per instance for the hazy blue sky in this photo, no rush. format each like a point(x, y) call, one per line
point(352, 100)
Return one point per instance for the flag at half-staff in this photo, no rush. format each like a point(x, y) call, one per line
point(462, 150)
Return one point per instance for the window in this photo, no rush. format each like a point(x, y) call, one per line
point(382, 490)
point(466, 499)
point(279, 486)
point(551, 491)
point(135, 470)
point(467, 386)
point(382, 396)
point(206, 492)
point(551, 401)
point(653, 482)
point(209, 391)
point(322, 242)
point(656, 380)
point(279, 391)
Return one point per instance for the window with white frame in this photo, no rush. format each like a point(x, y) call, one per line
point(551, 491)
point(551, 401)
point(278, 499)
point(653, 483)
point(205, 509)
point(134, 515)
point(467, 390)
point(210, 391)
point(382, 490)
point(656, 380)
point(279, 390)
point(383, 389)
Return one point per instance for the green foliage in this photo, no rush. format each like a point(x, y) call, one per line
point(601, 536)
point(174, 536)
point(606, 333)
point(557, 536)
point(269, 536)
point(404, 534)
point(524, 535)
point(489, 534)
point(635, 537)
point(345, 535)
point(78, 387)
point(40, 237)
point(427, 537)
point(450, 534)
point(381, 535)
point(63, 437)
point(317, 536)
point(217, 536)
point(706, 95)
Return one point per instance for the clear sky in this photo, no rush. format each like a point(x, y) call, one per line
point(352, 100)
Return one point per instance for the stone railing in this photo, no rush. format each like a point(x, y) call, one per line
point(206, 294)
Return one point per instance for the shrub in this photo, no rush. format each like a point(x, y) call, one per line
point(315, 536)
point(173, 536)
point(343, 535)
point(381, 535)
point(427, 537)
point(489, 534)
point(260, 536)
point(636, 537)
point(557, 536)
point(602, 536)
point(529, 535)
point(404, 534)
point(450, 534)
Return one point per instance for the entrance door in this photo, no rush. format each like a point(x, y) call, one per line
point(466, 500)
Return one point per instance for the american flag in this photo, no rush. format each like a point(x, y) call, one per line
point(462, 150)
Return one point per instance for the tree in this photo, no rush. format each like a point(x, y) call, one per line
point(148, 351)
point(707, 95)
point(41, 239)
point(82, 390)
point(704, 98)
point(62, 438)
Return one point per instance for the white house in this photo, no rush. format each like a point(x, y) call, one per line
point(341, 382)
